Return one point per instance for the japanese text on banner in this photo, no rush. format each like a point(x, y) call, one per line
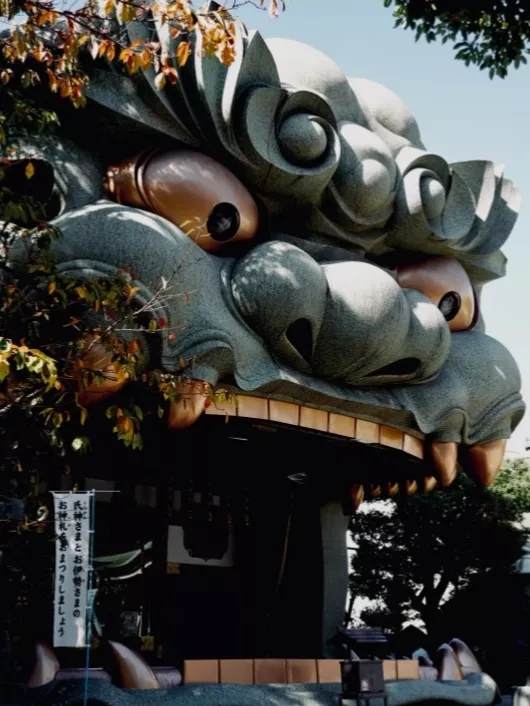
point(72, 526)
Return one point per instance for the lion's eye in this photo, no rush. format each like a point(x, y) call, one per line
point(223, 222)
point(193, 191)
point(447, 285)
point(450, 305)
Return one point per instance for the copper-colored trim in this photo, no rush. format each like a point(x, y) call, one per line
point(302, 671)
point(274, 671)
point(236, 671)
point(328, 671)
point(262, 408)
point(408, 669)
point(388, 436)
point(255, 407)
point(341, 425)
point(367, 431)
point(284, 412)
point(312, 418)
point(201, 671)
point(270, 671)
point(412, 445)
point(226, 408)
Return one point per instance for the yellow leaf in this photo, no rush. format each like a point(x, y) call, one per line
point(183, 53)
point(4, 369)
point(111, 52)
point(30, 170)
point(52, 287)
point(82, 292)
point(160, 81)
point(54, 85)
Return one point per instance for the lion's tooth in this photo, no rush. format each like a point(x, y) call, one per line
point(429, 484)
point(375, 491)
point(411, 486)
point(133, 669)
point(444, 455)
point(485, 461)
point(191, 404)
point(392, 489)
point(356, 496)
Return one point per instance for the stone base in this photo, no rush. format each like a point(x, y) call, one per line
point(469, 692)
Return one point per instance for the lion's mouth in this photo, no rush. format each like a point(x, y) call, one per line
point(412, 463)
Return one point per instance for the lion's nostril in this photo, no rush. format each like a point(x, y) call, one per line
point(300, 336)
point(404, 366)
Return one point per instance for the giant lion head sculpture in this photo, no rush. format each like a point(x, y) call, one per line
point(332, 265)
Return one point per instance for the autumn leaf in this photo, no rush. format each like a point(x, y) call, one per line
point(183, 53)
point(160, 81)
point(111, 52)
point(82, 292)
point(29, 170)
point(52, 287)
point(52, 80)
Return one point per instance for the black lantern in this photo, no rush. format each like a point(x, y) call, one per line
point(362, 680)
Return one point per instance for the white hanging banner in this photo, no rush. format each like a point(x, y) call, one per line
point(72, 528)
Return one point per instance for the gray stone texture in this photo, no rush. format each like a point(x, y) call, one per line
point(308, 315)
point(474, 692)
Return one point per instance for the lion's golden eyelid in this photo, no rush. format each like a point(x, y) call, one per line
point(190, 189)
point(447, 285)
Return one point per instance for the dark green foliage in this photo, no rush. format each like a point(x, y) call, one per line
point(434, 551)
point(490, 34)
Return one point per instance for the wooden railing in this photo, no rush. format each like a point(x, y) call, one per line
point(283, 671)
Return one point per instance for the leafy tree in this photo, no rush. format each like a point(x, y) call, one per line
point(420, 555)
point(489, 34)
point(62, 341)
point(60, 338)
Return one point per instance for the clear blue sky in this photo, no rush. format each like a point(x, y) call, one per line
point(461, 113)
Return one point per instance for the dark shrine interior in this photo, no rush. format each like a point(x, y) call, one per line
point(244, 497)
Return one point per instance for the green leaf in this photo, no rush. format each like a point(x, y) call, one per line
point(4, 369)
point(78, 443)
